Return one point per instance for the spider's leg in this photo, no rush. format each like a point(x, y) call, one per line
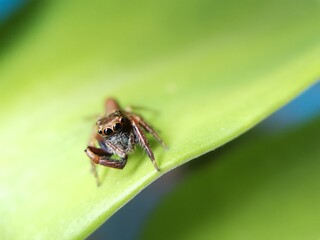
point(149, 129)
point(93, 138)
point(99, 156)
point(96, 153)
point(91, 142)
point(143, 140)
point(118, 164)
point(116, 150)
point(102, 144)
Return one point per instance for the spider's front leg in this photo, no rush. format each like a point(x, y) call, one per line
point(149, 129)
point(143, 140)
point(101, 157)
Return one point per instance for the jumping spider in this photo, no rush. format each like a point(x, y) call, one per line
point(117, 133)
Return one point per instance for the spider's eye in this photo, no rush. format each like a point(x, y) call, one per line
point(100, 131)
point(108, 131)
point(116, 126)
point(122, 120)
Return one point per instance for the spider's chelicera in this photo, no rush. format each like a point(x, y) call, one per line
point(117, 133)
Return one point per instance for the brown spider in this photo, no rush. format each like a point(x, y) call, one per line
point(117, 133)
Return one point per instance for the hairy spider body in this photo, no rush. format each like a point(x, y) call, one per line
point(123, 136)
point(117, 134)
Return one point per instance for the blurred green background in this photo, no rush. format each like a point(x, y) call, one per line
point(210, 70)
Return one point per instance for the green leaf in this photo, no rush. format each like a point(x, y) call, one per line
point(256, 188)
point(211, 70)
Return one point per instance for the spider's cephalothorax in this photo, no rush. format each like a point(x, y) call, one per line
point(116, 130)
point(117, 134)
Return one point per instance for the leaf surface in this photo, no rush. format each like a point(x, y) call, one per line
point(260, 187)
